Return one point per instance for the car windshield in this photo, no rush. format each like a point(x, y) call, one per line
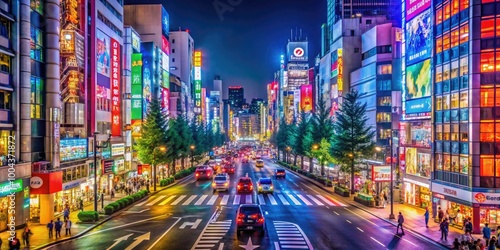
point(249, 210)
point(280, 170)
point(245, 181)
point(201, 172)
point(259, 161)
point(220, 178)
point(265, 181)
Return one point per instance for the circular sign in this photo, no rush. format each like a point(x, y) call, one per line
point(298, 52)
point(480, 197)
point(36, 182)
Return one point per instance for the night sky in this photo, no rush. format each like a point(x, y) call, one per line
point(243, 46)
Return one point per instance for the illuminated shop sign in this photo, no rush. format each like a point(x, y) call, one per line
point(165, 45)
point(136, 75)
point(381, 173)
point(165, 22)
point(415, 7)
point(197, 80)
point(165, 63)
point(166, 79)
point(419, 107)
point(297, 51)
point(340, 75)
point(9, 187)
point(418, 38)
point(73, 149)
point(117, 149)
point(306, 98)
point(115, 89)
point(136, 42)
point(418, 80)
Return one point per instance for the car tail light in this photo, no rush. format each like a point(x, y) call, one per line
point(226, 184)
point(251, 186)
point(239, 186)
point(240, 218)
point(261, 219)
point(197, 174)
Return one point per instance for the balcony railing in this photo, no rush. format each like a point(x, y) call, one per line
point(5, 116)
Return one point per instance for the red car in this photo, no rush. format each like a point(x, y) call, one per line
point(228, 169)
point(245, 185)
point(203, 172)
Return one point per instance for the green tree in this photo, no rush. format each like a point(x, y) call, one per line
point(321, 151)
point(198, 135)
point(322, 122)
point(174, 145)
point(353, 138)
point(303, 137)
point(281, 137)
point(153, 136)
point(184, 133)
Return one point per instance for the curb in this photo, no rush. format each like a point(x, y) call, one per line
point(110, 216)
point(315, 183)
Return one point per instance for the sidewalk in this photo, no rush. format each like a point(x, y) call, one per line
point(40, 232)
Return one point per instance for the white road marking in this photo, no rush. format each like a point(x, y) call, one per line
point(165, 233)
point(236, 199)
point(336, 213)
point(315, 200)
point(156, 200)
point(283, 200)
point(360, 229)
point(276, 246)
point(296, 247)
point(303, 199)
point(212, 200)
point(348, 221)
point(295, 201)
point(124, 225)
point(225, 199)
point(249, 199)
point(201, 200)
point(261, 199)
point(221, 246)
point(325, 200)
point(178, 200)
point(189, 200)
point(167, 200)
point(271, 199)
point(377, 241)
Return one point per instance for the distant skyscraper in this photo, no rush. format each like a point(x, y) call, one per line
point(236, 96)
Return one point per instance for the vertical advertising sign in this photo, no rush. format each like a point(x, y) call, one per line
point(165, 95)
point(340, 67)
point(165, 45)
point(147, 75)
point(136, 73)
point(306, 98)
point(165, 22)
point(115, 89)
point(197, 80)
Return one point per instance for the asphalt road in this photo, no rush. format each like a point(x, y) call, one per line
point(298, 216)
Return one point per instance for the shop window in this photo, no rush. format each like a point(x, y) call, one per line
point(446, 41)
point(439, 45)
point(37, 5)
point(439, 103)
point(37, 93)
point(446, 11)
point(384, 101)
point(464, 33)
point(439, 16)
point(464, 100)
point(446, 162)
point(439, 161)
point(464, 4)
point(383, 117)
point(384, 133)
point(385, 69)
point(454, 38)
point(487, 62)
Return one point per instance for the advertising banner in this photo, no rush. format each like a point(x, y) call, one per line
point(165, 95)
point(116, 121)
point(73, 149)
point(381, 173)
point(418, 38)
point(147, 76)
point(136, 75)
point(9, 187)
point(102, 50)
point(165, 22)
point(197, 92)
point(419, 107)
point(107, 166)
point(136, 128)
point(46, 183)
point(340, 66)
point(334, 64)
point(136, 42)
point(165, 45)
point(165, 62)
point(166, 79)
point(415, 7)
point(306, 103)
point(297, 52)
point(418, 80)
point(117, 149)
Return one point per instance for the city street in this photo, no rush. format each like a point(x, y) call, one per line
point(298, 215)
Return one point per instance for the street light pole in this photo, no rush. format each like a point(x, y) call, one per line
point(391, 215)
point(163, 149)
point(105, 145)
point(192, 155)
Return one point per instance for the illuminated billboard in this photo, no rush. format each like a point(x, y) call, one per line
point(415, 7)
point(165, 22)
point(102, 53)
point(136, 75)
point(418, 80)
point(297, 52)
point(306, 98)
point(165, 63)
point(166, 79)
point(165, 47)
point(164, 98)
point(197, 80)
point(136, 42)
point(340, 66)
point(147, 75)
point(73, 149)
point(116, 121)
point(418, 38)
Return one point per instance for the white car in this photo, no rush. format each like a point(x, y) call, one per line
point(221, 182)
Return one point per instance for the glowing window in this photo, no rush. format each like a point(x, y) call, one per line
point(487, 62)
point(454, 7)
point(487, 28)
point(446, 41)
point(439, 104)
point(454, 101)
point(487, 167)
point(447, 11)
point(464, 100)
point(464, 4)
point(439, 45)
point(454, 38)
point(464, 33)
point(439, 16)
point(487, 132)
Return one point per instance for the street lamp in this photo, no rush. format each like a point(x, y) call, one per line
point(104, 145)
point(288, 149)
point(162, 149)
point(192, 147)
point(391, 215)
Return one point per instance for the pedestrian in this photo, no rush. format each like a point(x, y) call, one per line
point(50, 226)
point(486, 233)
point(81, 205)
point(26, 236)
point(67, 226)
point(467, 237)
point(426, 217)
point(112, 193)
point(492, 243)
point(15, 244)
point(66, 212)
point(444, 227)
point(58, 226)
point(440, 215)
point(456, 244)
point(385, 199)
point(468, 225)
point(401, 220)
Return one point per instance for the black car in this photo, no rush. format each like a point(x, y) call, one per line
point(250, 218)
point(279, 173)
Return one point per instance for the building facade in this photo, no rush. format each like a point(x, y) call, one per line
point(181, 64)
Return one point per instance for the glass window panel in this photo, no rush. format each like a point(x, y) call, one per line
point(439, 16)
point(486, 132)
point(464, 66)
point(464, 4)
point(454, 7)
point(487, 62)
point(487, 28)
point(446, 41)
point(447, 11)
point(439, 103)
point(439, 45)
point(446, 102)
point(454, 37)
point(487, 167)
point(446, 72)
point(454, 101)
point(464, 33)
point(464, 99)
point(439, 74)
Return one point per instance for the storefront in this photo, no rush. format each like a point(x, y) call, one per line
point(43, 189)
point(71, 195)
point(455, 202)
point(7, 201)
point(417, 192)
point(107, 177)
point(489, 208)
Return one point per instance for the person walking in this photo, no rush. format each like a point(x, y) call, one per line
point(15, 244)
point(26, 236)
point(81, 205)
point(67, 226)
point(66, 212)
point(401, 220)
point(492, 243)
point(440, 215)
point(468, 225)
point(486, 233)
point(58, 226)
point(426, 217)
point(50, 226)
point(444, 227)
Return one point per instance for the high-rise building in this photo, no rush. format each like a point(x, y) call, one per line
point(181, 61)
point(247, 125)
point(236, 96)
point(256, 108)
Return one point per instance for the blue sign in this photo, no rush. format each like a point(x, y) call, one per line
point(422, 105)
point(73, 149)
point(147, 75)
point(165, 22)
point(419, 38)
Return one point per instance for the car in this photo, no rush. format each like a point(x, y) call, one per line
point(203, 172)
point(279, 173)
point(250, 218)
point(244, 160)
point(245, 185)
point(265, 185)
point(259, 163)
point(221, 182)
point(229, 168)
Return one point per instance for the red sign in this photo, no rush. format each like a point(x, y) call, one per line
point(415, 7)
point(381, 173)
point(46, 183)
point(139, 169)
point(165, 97)
point(306, 98)
point(115, 89)
point(165, 45)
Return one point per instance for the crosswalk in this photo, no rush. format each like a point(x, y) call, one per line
point(291, 236)
point(212, 234)
point(286, 199)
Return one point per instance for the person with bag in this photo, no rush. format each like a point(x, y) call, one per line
point(444, 227)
